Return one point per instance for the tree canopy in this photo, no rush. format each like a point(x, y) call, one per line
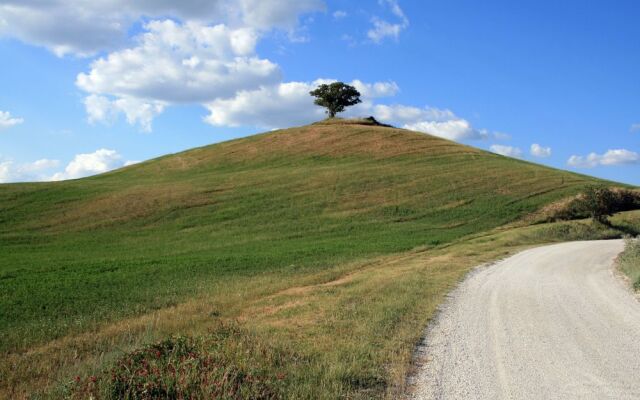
point(335, 97)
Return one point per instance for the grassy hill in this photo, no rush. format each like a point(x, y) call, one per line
point(243, 219)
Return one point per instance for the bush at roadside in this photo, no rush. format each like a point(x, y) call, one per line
point(630, 261)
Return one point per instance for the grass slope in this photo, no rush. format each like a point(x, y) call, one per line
point(295, 205)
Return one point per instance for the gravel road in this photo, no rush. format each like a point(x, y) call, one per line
point(549, 323)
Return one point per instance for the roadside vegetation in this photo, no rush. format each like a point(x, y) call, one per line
point(225, 364)
point(629, 261)
point(305, 261)
point(597, 202)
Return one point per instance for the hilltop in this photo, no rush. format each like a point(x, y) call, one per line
point(277, 208)
point(339, 171)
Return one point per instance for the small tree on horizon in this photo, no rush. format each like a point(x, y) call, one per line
point(335, 97)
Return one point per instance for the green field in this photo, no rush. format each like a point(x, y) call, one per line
point(96, 266)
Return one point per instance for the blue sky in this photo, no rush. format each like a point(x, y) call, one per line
point(123, 81)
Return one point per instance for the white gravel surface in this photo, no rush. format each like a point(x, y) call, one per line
point(548, 323)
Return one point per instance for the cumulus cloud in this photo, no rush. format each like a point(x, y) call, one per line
point(6, 120)
point(383, 29)
point(285, 104)
point(610, 158)
point(192, 63)
point(375, 90)
point(409, 115)
point(206, 55)
point(540, 151)
point(91, 26)
point(454, 129)
point(82, 165)
point(434, 121)
point(289, 103)
point(27, 172)
point(274, 106)
point(508, 151)
point(635, 128)
point(190, 60)
point(137, 111)
point(216, 66)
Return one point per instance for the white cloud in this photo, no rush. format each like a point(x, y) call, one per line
point(454, 129)
point(375, 90)
point(27, 172)
point(39, 165)
point(395, 8)
point(540, 151)
point(508, 151)
point(82, 33)
point(99, 108)
point(190, 60)
point(140, 112)
point(82, 165)
point(215, 66)
point(6, 120)
point(409, 115)
point(339, 14)
point(94, 25)
point(274, 106)
point(289, 104)
point(192, 63)
point(434, 121)
point(635, 128)
point(383, 29)
point(610, 158)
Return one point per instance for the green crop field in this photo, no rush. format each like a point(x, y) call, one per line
point(260, 232)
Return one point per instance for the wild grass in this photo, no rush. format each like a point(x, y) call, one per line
point(225, 364)
point(629, 261)
point(333, 243)
point(347, 333)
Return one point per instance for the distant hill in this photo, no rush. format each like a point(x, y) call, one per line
point(147, 235)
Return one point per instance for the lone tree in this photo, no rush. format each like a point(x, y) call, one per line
point(335, 97)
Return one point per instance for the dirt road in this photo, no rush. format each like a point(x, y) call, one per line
point(548, 323)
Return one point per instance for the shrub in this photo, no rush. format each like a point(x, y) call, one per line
point(228, 364)
point(597, 202)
